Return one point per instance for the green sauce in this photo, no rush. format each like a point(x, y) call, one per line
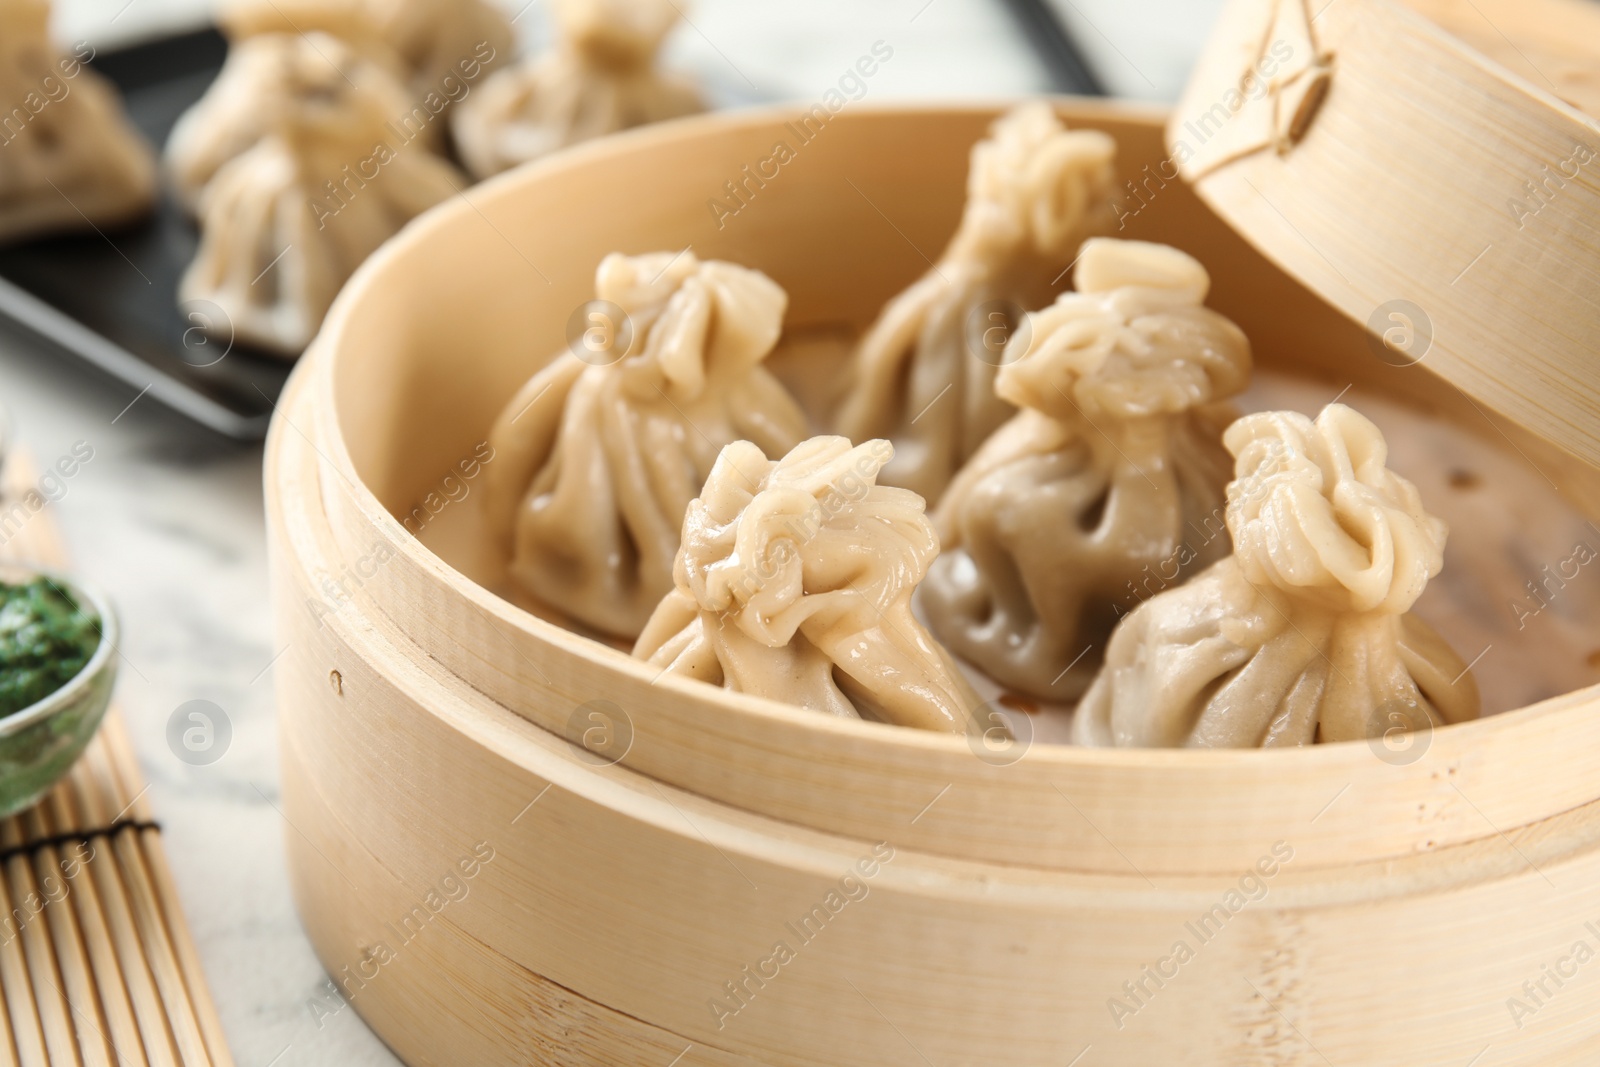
point(45, 640)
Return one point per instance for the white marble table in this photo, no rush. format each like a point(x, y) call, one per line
point(168, 517)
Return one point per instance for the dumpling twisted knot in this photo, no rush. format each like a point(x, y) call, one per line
point(321, 95)
point(1034, 183)
point(689, 320)
point(1315, 512)
point(347, 20)
point(1134, 340)
point(770, 544)
point(303, 90)
point(621, 34)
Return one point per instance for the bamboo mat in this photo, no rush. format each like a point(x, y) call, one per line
point(96, 963)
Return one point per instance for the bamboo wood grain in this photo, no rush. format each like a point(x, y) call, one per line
point(148, 919)
point(122, 1031)
point(77, 976)
point(490, 1005)
point(16, 980)
point(1550, 43)
point(195, 1003)
point(1407, 181)
point(154, 1032)
point(55, 1018)
point(8, 1052)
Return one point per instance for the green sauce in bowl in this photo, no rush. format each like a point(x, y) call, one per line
point(46, 639)
point(58, 664)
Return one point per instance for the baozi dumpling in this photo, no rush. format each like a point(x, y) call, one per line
point(285, 224)
point(923, 376)
point(1304, 634)
point(794, 582)
point(270, 79)
point(598, 457)
point(1110, 477)
point(69, 158)
point(599, 79)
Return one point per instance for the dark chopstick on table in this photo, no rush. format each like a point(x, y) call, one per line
point(1054, 44)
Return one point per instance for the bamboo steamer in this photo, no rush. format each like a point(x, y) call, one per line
point(1444, 153)
point(938, 905)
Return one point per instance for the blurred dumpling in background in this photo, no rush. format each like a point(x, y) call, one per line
point(348, 20)
point(416, 57)
point(69, 158)
point(268, 77)
point(794, 583)
point(1305, 633)
point(600, 78)
point(923, 376)
point(442, 39)
point(598, 457)
point(1109, 479)
point(285, 224)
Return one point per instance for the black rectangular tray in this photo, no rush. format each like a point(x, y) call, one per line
point(111, 298)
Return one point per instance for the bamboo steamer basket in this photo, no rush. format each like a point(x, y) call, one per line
point(1445, 153)
point(993, 909)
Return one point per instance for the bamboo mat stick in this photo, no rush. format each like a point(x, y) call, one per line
point(122, 1031)
point(49, 870)
point(199, 1000)
point(89, 794)
point(148, 918)
point(54, 1016)
point(14, 979)
point(7, 1047)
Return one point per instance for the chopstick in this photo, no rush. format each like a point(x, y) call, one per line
point(1056, 49)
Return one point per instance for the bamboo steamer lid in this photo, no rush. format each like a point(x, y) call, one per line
point(1430, 168)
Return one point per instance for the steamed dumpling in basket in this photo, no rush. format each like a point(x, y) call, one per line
point(1106, 486)
point(599, 454)
point(923, 376)
point(599, 79)
point(284, 225)
point(69, 158)
point(269, 75)
point(1305, 633)
point(794, 582)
